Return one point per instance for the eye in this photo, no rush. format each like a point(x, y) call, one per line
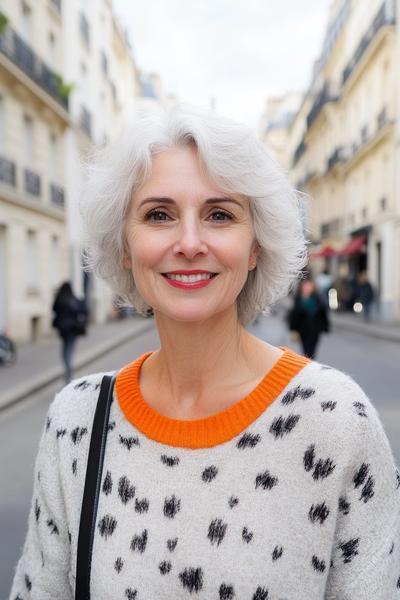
point(221, 215)
point(156, 215)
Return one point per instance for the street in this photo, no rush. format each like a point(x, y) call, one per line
point(373, 363)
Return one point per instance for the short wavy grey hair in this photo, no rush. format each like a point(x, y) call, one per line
point(235, 160)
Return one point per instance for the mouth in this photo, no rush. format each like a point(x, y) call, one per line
point(189, 278)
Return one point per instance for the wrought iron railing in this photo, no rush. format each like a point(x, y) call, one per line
point(22, 55)
point(57, 195)
point(8, 172)
point(32, 182)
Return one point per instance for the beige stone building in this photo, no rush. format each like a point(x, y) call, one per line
point(344, 149)
point(33, 118)
point(274, 125)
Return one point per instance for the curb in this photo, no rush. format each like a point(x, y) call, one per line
point(369, 330)
point(20, 392)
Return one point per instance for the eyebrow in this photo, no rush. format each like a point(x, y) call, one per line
point(166, 200)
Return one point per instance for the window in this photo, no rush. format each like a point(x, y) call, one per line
point(383, 203)
point(26, 21)
point(2, 126)
point(54, 261)
point(51, 49)
point(53, 152)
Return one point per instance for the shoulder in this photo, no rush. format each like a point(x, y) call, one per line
point(76, 402)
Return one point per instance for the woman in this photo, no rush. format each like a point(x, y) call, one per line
point(70, 320)
point(308, 316)
point(233, 468)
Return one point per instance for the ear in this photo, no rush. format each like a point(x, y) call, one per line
point(255, 252)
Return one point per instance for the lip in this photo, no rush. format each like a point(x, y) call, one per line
point(192, 272)
point(183, 285)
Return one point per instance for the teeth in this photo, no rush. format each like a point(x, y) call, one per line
point(189, 278)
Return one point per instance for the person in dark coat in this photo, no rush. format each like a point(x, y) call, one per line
point(365, 294)
point(70, 320)
point(309, 316)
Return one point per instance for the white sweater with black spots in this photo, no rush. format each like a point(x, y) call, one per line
point(304, 504)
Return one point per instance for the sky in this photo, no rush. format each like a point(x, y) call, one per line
point(237, 52)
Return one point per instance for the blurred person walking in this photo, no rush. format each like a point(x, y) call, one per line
point(309, 316)
point(70, 320)
point(365, 294)
point(324, 283)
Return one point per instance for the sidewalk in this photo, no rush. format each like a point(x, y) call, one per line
point(352, 322)
point(39, 364)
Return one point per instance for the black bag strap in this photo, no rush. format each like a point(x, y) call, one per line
point(91, 492)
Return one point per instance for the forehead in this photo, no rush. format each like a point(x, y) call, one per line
point(178, 171)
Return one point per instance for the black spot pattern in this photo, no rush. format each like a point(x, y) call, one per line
point(77, 434)
point(277, 553)
point(69, 537)
point(141, 506)
point(349, 549)
point(52, 526)
point(28, 582)
point(330, 405)
point(128, 442)
point(192, 579)
point(397, 479)
point(139, 542)
point(281, 426)
point(130, 594)
point(398, 583)
point(107, 484)
point(171, 544)
point(60, 433)
point(48, 423)
point(126, 491)
point(261, 593)
point(248, 440)
point(165, 567)
point(170, 461)
point(360, 409)
point(216, 531)
point(233, 501)
point(266, 480)
point(209, 474)
point(322, 469)
point(107, 526)
point(111, 426)
point(119, 563)
point(391, 548)
point(298, 392)
point(344, 505)
point(74, 466)
point(319, 565)
point(360, 478)
point(247, 535)
point(82, 385)
point(226, 592)
point(318, 512)
point(37, 510)
point(171, 506)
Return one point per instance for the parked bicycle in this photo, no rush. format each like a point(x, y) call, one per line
point(8, 349)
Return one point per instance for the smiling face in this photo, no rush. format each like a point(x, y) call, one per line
point(178, 223)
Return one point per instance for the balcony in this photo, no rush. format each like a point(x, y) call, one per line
point(385, 16)
point(21, 54)
point(301, 148)
point(57, 195)
point(32, 183)
point(382, 118)
point(85, 121)
point(8, 172)
point(337, 156)
point(323, 98)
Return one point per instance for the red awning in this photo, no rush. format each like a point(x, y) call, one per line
point(324, 252)
point(353, 246)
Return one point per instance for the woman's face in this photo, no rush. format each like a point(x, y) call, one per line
point(179, 221)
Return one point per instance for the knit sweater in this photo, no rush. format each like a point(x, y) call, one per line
point(291, 493)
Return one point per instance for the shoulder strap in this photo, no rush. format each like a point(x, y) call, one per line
point(91, 492)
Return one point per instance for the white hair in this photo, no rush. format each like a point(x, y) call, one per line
point(235, 160)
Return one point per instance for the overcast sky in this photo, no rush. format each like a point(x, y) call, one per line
point(236, 51)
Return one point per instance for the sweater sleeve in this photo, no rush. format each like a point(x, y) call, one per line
point(365, 561)
point(42, 571)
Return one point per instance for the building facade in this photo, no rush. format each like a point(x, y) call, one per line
point(344, 149)
point(67, 80)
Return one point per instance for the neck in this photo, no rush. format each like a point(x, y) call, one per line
point(197, 360)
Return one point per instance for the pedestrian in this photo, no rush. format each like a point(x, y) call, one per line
point(366, 294)
point(324, 283)
point(232, 468)
point(70, 319)
point(309, 316)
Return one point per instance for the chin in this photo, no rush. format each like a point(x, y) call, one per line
point(190, 314)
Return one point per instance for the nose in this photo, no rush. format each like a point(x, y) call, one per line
point(190, 240)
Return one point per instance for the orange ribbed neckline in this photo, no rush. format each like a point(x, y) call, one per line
point(208, 431)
